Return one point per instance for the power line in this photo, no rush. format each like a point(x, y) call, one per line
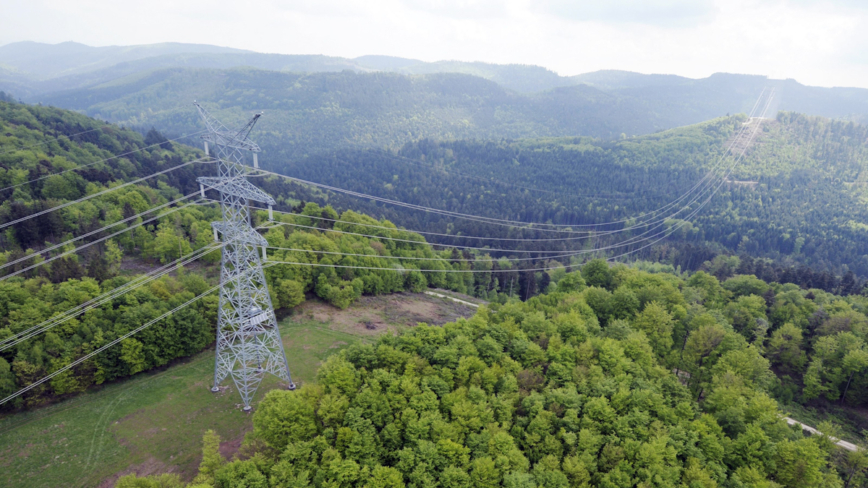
point(398, 157)
point(148, 324)
point(182, 260)
point(108, 190)
point(54, 139)
point(663, 220)
point(134, 226)
point(513, 223)
point(480, 219)
point(723, 180)
point(103, 348)
point(411, 258)
point(496, 249)
point(84, 246)
point(106, 297)
point(24, 390)
point(70, 241)
point(665, 234)
point(98, 162)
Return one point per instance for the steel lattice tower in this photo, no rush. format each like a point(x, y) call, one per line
point(248, 340)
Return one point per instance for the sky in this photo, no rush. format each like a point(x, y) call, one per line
point(816, 42)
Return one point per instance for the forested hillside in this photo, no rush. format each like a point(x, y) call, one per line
point(35, 72)
point(321, 111)
point(796, 198)
point(632, 375)
point(616, 378)
point(112, 231)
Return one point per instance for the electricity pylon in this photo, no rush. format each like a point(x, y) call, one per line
point(248, 340)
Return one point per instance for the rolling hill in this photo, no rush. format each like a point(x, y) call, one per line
point(58, 74)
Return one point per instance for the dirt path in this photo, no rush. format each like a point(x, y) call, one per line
point(846, 445)
point(474, 305)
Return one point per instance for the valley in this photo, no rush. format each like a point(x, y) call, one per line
point(477, 274)
point(152, 423)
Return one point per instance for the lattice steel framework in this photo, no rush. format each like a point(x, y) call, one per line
point(248, 340)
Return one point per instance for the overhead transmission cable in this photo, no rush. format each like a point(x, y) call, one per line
point(104, 298)
point(709, 174)
point(598, 233)
point(618, 245)
point(271, 263)
point(82, 166)
point(84, 246)
point(398, 157)
point(97, 231)
point(103, 192)
point(53, 139)
point(115, 341)
point(666, 233)
point(463, 216)
point(707, 200)
point(182, 260)
point(139, 224)
point(525, 225)
point(106, 346)
point(490, 249)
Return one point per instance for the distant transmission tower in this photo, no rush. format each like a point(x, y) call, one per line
point(248, 340)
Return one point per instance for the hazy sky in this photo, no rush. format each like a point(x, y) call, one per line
point(816, 42)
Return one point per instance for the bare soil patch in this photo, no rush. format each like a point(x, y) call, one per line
point(371, 316)
point(229, 448)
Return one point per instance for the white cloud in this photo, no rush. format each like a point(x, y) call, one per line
point(814, 41)
point(663, 13)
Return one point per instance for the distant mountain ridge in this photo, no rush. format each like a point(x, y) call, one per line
point(37, 68)
point(46, 61)
point(327, 100)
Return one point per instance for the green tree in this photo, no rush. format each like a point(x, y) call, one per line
point(240, 474)
point(113, 256)
point(571, 282)
point(623, 304)
point(597, 273)
point(656, 323)
point(855, 362)
point(785, 347)
point(212, 460)
point(7, 379)
point(158, 481)
point(290, 293)
point(799, 464)
point(744, 285)
point(855, 463)
point(133, 356)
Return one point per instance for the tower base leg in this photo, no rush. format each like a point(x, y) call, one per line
point(215, 389)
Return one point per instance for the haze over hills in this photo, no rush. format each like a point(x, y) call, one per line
point(80, 77)
point(741, 244)
point(40, 61)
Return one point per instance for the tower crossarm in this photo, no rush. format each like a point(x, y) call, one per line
point(237, 187)
point(242, 133)
point(240, 234)
point(213, 124)
point(228, 139)
point(219, 134)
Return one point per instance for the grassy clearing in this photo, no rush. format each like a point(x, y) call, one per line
point(153, 423)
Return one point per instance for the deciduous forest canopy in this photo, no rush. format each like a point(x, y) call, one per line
point(671, 368)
